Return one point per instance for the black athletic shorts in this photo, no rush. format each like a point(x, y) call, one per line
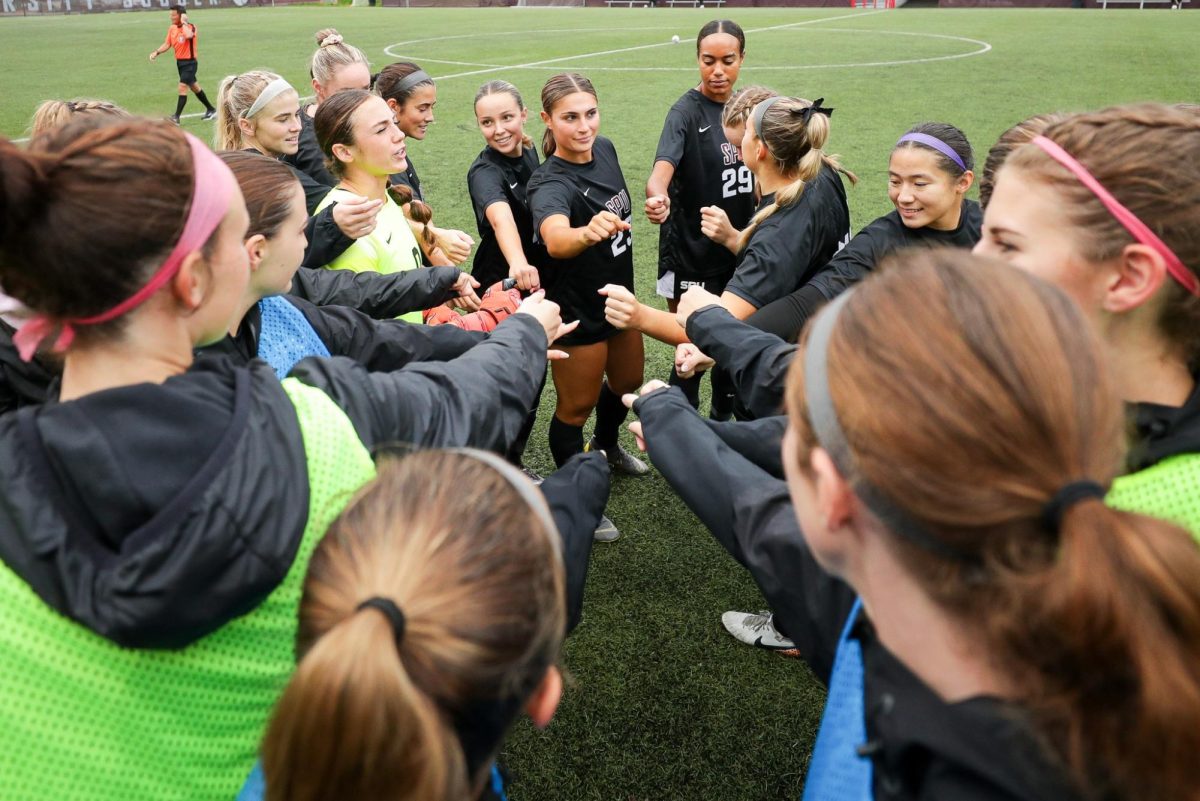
point(187, 70)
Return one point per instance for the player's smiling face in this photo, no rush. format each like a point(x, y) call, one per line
point(924, 193)
point(720, 58)
point(501, 123)
point(416, 115)
point(378, 147)
point(574, 122)
point(276, 129)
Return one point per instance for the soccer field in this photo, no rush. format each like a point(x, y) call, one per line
point(662, 703)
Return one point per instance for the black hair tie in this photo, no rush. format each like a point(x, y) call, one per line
point(1066, 497)
point(392, 612)
point(815, 108)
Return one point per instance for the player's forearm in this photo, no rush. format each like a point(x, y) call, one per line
point(565, 242)
point(661, 325)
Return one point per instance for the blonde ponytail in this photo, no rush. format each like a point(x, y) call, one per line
point(795, 147)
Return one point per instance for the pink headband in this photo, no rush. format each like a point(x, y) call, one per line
point(1140, 231)
point(212, 190)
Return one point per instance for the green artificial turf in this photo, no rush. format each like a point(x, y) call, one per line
point(661, 704)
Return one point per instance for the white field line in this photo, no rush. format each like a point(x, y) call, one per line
point(615, 51)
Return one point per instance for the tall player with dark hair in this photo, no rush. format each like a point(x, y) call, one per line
point(695, 167)
point(181, 37)
point(582, 213)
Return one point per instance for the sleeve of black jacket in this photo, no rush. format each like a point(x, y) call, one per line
point(382, 297)
point(751, 515)
point(576, 494)
point(757, 362)
point(325, 240)
point(480, 399)
point(385, 345)
point(757, 440)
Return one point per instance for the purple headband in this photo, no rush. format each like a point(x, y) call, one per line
point(936, 144)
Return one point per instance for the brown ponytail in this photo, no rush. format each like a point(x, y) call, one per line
point(558, 87)
point(418, 211)
point(970, 393)
point(89, 212)
point(371, 713)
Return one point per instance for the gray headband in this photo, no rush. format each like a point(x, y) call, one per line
point(524, 487)
point(271, 91)
point(411, 80)
point(824, 420)
point(760, 111)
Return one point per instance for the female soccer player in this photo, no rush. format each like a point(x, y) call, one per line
point(802, 222)
point(498, 185)
point(335, 66)
point(411, 95)
point(581, 212)
point(1105, 206)
point(960, 584)
point(696, 167)
point(363, 145)
point(929, 172)
point(150, 608)
point(432, 618)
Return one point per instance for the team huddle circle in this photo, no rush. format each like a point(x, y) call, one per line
point(271, 524)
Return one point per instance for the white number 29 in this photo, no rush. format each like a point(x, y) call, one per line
point(737, 181)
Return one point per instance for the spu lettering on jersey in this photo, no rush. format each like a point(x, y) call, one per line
point(619, 205)
point(729, 152)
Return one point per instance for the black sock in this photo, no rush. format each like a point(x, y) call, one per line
point(610, 413)
point(203, 98)
point(566, 440)
point(179, 104)
point(690, 386)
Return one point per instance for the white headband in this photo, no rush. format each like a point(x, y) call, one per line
point(273, 90)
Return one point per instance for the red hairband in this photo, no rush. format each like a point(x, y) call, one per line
point(212, 188)
point(1140, 231)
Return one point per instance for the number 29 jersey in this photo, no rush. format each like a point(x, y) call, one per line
point(580, 192)
point(708, 172)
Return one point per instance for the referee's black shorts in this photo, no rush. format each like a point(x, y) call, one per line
point(187, 70)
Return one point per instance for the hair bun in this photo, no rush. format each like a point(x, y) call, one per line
point(327, 37)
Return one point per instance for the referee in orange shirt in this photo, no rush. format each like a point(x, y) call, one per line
point(182, 37)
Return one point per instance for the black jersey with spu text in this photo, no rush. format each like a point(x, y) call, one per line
point(496, 178)
point(708, 172)
point(580, 192)
point(790, 246)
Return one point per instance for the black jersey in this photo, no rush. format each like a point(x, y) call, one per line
point(708, 172)
point(496, 178)
point(409, 178)
point(791, 245)
point(580, 192)
point(309, 159)
point(887, 234)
